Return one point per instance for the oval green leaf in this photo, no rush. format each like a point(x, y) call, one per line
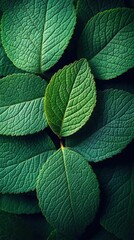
point(21, 159)
point(89, 8)
point(107, 43)
point(68, 192)
point(110, 129)
point(19, 203)
point(70, 98)
point(35, 33)
point(117, 182)
point(22, 104)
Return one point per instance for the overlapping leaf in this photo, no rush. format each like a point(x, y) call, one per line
point(35, 33)
point(111, 127)
point(19, 203)
point(13, 227)
point(6, 66)
point(107, 43)
point(21, 104)
point(116, 182)
point(70, 98)
point(68, 192)
point(21, 159)
point(89, 8)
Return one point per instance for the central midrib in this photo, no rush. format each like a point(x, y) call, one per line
point(68, 100)
point(68, 187)
point(42, 38)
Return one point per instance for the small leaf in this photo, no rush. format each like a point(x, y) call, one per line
point(21, 159)
point(68, 192)
point(19, 203)
point(21, 104)
point(35, 33)
point(110, 128)
point(107, 43)
point(116, 181)
point(89, 8)
point(70, 98)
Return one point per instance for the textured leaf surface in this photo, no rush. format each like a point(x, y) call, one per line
point(13, 227)
point(89, 8)
point(21, 159)
point(104, 235)
point(19, 203)
point(109, 49)
point(110, 128)
point(21, 104)
point(116, 181)
point(6, 66)
point(36, 32)
point(70, 98)
point(68, 192)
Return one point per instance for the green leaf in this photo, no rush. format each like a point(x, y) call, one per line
point(103, 235)
point(21, 159)
point(116, 181)
point(21, 104)
point(29, 227)
point(70, 98)
point(89, 8)
point(19, 203)
point(35, 33)
point(107, 43)
point(110, 128)
point(6, 66)
point(4, 5)
point(68, 192)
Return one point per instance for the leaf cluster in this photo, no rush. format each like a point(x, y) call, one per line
point(65, 113)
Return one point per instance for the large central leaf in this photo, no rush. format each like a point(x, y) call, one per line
point(35, 33)
point(68, 192)
point(70, 98)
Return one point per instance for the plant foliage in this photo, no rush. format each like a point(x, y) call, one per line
point(61, 125)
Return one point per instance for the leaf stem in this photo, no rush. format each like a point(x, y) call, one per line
point(61, 144)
